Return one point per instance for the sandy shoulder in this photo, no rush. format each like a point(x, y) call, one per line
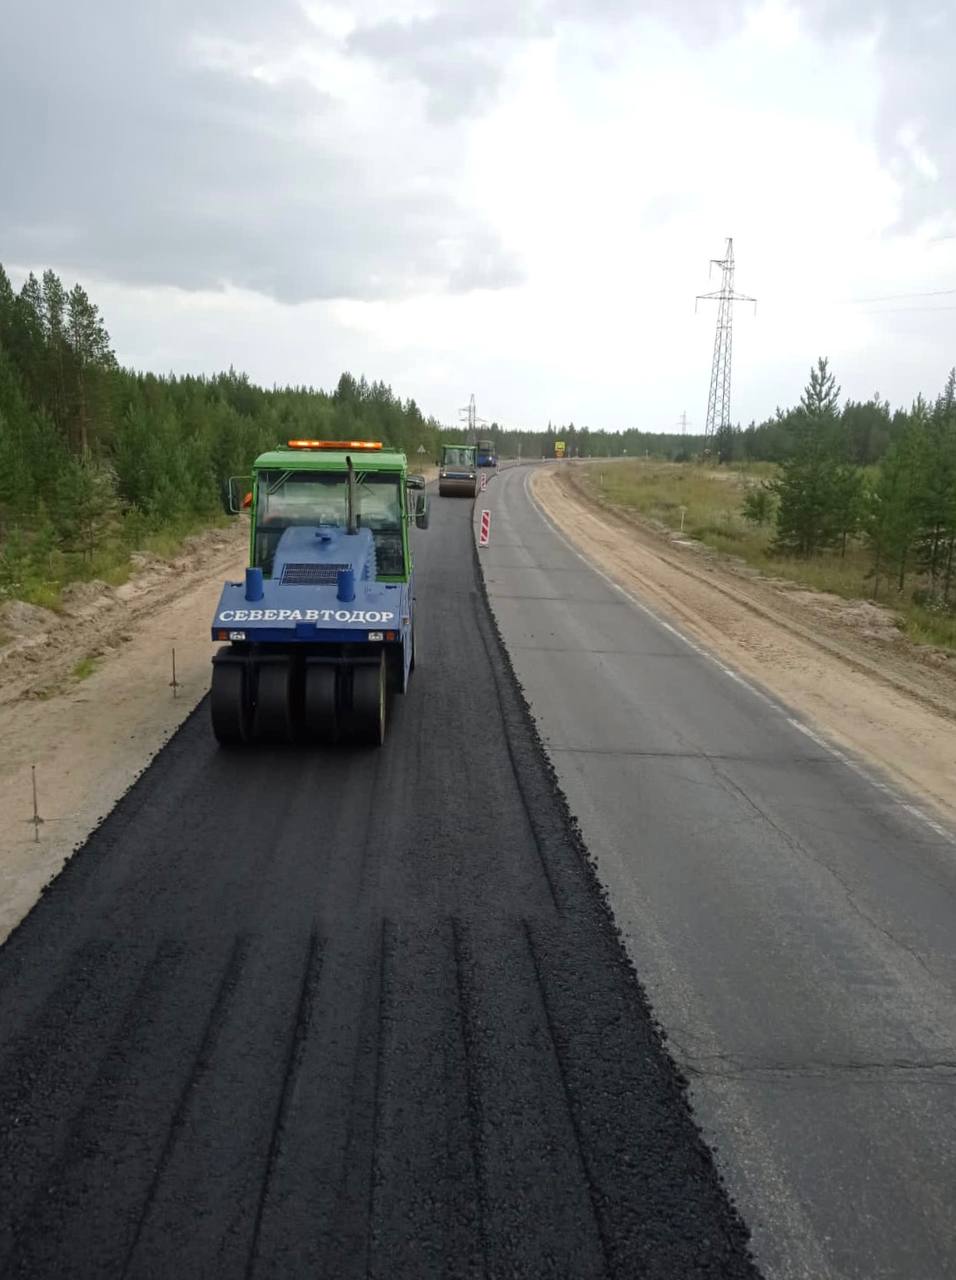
point(905, 723)
point(91, 739)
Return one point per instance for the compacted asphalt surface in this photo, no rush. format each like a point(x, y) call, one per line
point(792, 920)
point(338, 1013)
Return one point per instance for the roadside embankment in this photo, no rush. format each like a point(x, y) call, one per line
point(86, 698)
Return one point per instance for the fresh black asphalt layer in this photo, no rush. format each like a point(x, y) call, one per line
point(338, 1013)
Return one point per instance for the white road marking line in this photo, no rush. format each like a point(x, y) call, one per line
point(907, 805)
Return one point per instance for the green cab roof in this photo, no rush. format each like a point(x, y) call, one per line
point(331, 460)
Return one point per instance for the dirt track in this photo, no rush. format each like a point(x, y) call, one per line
point(890, 707)
point(346, 1014)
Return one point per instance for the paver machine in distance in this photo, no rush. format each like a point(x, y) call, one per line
point(458, 471)
point(322, 628)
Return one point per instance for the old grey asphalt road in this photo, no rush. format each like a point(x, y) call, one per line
point(346, 1014)
point(794, 925)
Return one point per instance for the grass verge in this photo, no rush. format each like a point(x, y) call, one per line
point(42, 584)
point(706, 504)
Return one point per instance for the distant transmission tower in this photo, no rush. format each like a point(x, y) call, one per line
point(718, 402)
point(683, 422)
point(473, 420)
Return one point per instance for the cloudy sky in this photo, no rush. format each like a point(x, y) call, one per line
point(517, 198)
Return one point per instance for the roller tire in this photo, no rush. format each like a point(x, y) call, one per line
point(274, 715)
point(229, 704)
point(319, 701)
point(367, 718)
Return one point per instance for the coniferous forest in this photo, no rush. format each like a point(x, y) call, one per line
point(97, 460)
point(901, 507)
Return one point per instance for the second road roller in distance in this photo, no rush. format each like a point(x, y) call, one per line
point(458, 471)
point(322, 628)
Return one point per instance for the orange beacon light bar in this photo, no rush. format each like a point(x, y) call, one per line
point(335, 444)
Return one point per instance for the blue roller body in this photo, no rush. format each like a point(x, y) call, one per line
point(322, 590)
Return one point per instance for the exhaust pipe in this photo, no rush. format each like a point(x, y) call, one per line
point(254, 588)
point(351, 526)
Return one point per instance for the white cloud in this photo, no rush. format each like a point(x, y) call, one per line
point(221, 146)
point(517, 199)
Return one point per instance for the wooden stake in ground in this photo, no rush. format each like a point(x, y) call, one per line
point(36, 819)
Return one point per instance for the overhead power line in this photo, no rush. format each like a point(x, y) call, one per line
point(898, 297)
point(890, 311)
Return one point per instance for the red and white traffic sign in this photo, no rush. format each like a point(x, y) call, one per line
point(485, 530)
point(483, 482)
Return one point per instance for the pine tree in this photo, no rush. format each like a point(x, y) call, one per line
point(808, 516)
point(92, 354)
point(821, 396)
point(725, 443)
point(937, 496)
point(27, 339)
point(7, 304)
point(53, 314)
point(892, 515)
point(947, 402)
point(847, 497)
point(865, 429)
point(87, 506)
point(758, 504)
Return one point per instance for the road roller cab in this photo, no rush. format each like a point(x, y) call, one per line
point(321, 629)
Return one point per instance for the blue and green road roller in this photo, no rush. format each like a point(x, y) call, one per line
point(321, 630)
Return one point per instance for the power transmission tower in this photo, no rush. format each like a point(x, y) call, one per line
point(473, 420)
point(684, 423)
point(718, 402)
